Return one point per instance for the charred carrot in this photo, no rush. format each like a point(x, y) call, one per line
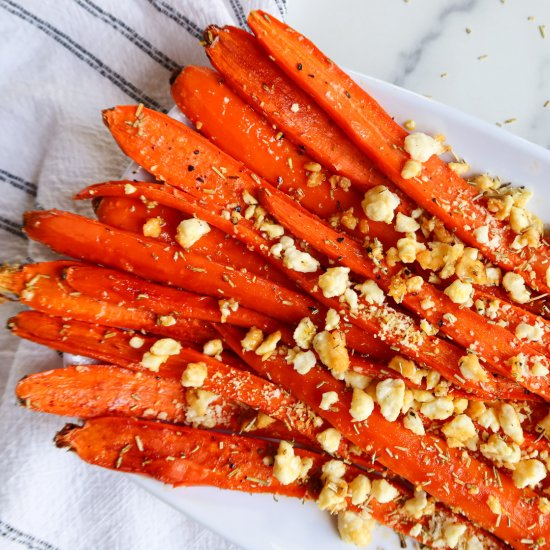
point(412, 456)
point(444, 193)
point(241, 132)
point(497, 345)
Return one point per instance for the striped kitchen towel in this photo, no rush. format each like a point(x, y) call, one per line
point(62, 62)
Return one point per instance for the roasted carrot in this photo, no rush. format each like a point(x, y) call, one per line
point(240, 59)
point(497, 345)
point(87, 239)
point(41, 286)
point(241, 132)
point(444, 194)
point(410, 456)
point(187, 457)
point(131, 214)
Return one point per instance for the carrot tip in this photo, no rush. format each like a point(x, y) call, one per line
point(63, 438)
point(175, 74)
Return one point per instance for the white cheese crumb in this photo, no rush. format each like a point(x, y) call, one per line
point(328, 399)
point(460, 432)
point(411, 169)
point(272, 230)
point(304, 333)
point(129, 189)
point(453, 532)
point(406, 224)
point(440, 408)
point(355, 528)
point(329, 440)
point(334, 281)
point(390, 395)
point(515, 285)
point(481, 234)
point(471, 368)
point(413, 422)
point(421, 147)
point(528, 473)
point(190, 231)
point(382, 491)
point(408, 248)
point(303, 362)
point(531, 333)
point(136, 342)
point(166, 346)
point(269, 345)
point(153, 227)
point(213, 348)
point(459, 292)
point(299, 261)
point(379, 204)
point(254, 337)
point(371, 292)
point(359, 488)
point(362, 405)
point(331, 348)
point(332, 320)
point(287, 467)
point(194, 375)
point(510, 423)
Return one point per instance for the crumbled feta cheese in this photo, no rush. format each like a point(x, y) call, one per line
point(299, 261)
point(152, 361)
point(421, 147)
point(493, 275)
point(413, 422)
point(459, 292)
point(362, 405)
point(269, 345)
point(544, 505)
point(331, 348)
point(303, 362)
point(519, 219)
point(438, 409)
point(328, 399)
point(166, 320)
point(355, 528)
point(304, 333)
point(199, 401)
point(334, 281)
point(190, 231)
point(194, 375)
point(287, 467)
point(129, 189)
point(510, 422)
point(515, 285)
point(276, 250)
point(254, 337)
point(352, 299)
point(359, 488)
point(497, 450)
point(428, 328)
point(481, 234)
point(532, 333)
point(528, 473)
point(390, 395)
point(333, 470)
point(272, 230)
point(329, 440)
point(356, 379)
point(416, 530)
point(295, 107)
point(452, 532)
point(405, 367)
point(488, 419)
point(213, 348)
point(460, 432)
point(332, 320)
point(382, 491)
point(166, 346)
point(408, 248)
point(136, 342)
point(379, 204)
point(406, 224)
point(371, 292)
point(494, 505)
point(418, 506)
point(153, 227)
point(227, 307)
point(411, 169)
point(471, 368)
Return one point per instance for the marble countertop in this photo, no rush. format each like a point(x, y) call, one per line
point(490, 58)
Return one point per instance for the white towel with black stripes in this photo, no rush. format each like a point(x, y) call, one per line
point(61, 63)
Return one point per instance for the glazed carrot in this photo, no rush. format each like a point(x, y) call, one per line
point(87, 239)
point(187, 457)
point(444, 194)
point(132, 292)
point(41, 287)
point(239, 58)
point(410, 456)
point(497, 345)
point(435, 353)
point(131, 214)
point(241, 132)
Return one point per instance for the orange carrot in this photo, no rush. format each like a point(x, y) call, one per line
point(497, 345)
point(410, 456)
point(444, 194)
point(123, 212)
point(241, 132)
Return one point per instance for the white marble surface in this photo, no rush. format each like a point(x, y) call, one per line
point(412, 44)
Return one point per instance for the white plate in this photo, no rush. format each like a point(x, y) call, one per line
point(257, 521)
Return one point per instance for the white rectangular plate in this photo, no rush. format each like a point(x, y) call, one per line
point(258, 521)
